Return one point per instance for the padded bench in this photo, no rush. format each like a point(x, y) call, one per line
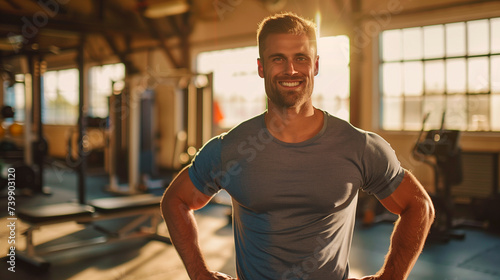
point(141, 209)
point(56, 213)
point(118, 204)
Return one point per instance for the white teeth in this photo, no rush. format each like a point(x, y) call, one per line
point(290, 84)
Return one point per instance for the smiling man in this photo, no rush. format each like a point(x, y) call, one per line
point(288, 67)
point(294, 196)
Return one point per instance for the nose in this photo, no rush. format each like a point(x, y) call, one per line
point(290, 68)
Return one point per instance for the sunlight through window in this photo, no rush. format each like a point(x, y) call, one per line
point(239, 91)
point(449, 68)
point(60, 97)
point(101, 79)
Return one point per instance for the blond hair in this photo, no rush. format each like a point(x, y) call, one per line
point(285, 23)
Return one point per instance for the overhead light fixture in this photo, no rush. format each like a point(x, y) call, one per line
point(168, 8)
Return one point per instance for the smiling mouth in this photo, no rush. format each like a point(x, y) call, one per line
point(289, 84)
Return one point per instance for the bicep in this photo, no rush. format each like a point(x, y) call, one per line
point(183, 191)
point(409, 193)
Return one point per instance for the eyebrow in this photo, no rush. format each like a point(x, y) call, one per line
point(276, 55)
point(283, 55)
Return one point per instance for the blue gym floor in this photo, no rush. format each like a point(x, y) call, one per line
point(477, 257)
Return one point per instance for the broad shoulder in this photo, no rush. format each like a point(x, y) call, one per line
point(245, 128)
point(341, 128)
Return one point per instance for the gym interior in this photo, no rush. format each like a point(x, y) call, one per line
point(103, 102)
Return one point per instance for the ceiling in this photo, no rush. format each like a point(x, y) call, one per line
point(104, 27)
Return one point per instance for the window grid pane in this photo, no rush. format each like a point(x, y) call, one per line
point(413, 78)
point(495, 74)
point(495, 35)
point(434, 77)
point(455, 39)
point(101, 81)
point(456, 73)
point(413, 113)
point(433, 41)
point(452, 68)
point(478, 37)
point(60, 97)
point(478, 75)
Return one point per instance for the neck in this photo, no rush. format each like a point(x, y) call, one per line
point(293, 125)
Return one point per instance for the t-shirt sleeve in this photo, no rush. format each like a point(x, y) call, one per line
point(206, 166)
point(382, 170)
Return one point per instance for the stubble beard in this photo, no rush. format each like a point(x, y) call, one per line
point(288, 98)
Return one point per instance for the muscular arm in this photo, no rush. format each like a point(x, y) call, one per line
point(416, 214)
point(177, 205)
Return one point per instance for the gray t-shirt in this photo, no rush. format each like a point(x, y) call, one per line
point(294, 204)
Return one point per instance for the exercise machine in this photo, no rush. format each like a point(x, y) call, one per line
point(142, 209)
point(134, 122)
point(17, 148)
point(138, 210)
point(440, 150)
point(131, 148)
point(30, 149)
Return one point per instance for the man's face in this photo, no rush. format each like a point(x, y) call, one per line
point(288, 66)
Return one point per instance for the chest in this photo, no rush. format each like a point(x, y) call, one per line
point(304, 179)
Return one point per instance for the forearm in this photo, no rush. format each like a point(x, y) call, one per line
point(407, 241)
point(184, 235)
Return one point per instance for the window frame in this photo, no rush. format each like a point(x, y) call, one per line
point(414, 22)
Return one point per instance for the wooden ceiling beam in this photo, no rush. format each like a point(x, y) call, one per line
point(127, 17)
point(63, 22)
point(122, 55)
point(98, 7)
point(13, 4)
point(153, 29)
point(51, 7)
point(182, 30)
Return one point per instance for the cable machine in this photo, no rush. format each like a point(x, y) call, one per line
point(443, 146)
point(30, 160)
point(132, 131)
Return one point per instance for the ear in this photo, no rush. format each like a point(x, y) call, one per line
point(260, 67)
point(316, 66)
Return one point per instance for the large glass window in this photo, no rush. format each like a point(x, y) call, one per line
point(239, 91)
point(14, 97)
point(446, 69)
point(101, 81)
point(60, 93)
point(60, 97)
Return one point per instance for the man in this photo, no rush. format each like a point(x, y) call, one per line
point(294, 173)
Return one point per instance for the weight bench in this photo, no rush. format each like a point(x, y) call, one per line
point(141, 208)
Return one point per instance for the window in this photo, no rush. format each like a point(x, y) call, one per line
point(101, 81)
point(239, 91)
point(14, 97)
point(60, 97)
point(447, 68)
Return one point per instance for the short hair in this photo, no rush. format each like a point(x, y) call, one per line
point(285, 23)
